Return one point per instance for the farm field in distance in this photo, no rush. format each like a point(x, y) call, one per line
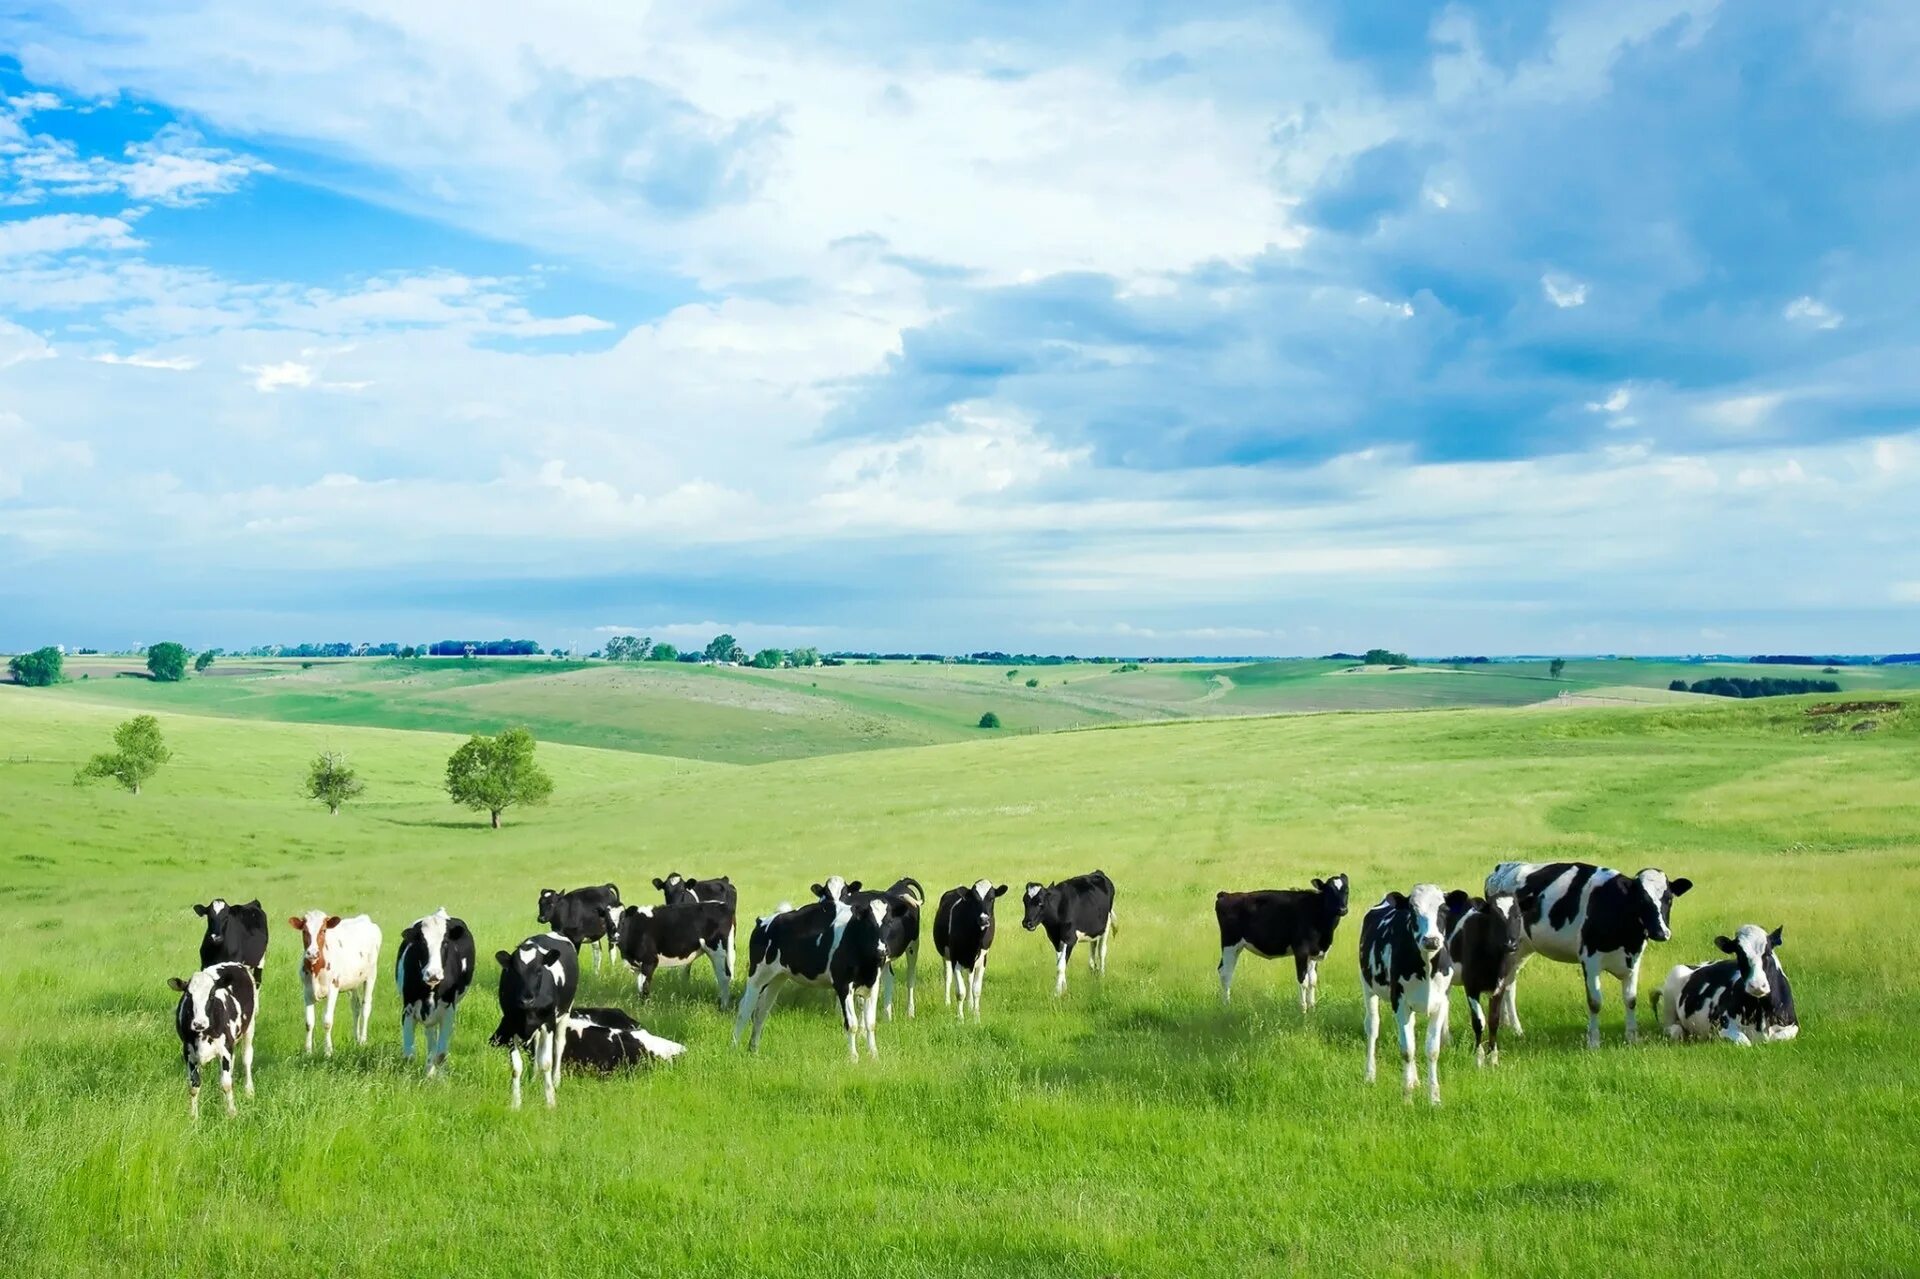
point(1133, 1127)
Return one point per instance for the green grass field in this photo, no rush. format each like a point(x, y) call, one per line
point(1133, 1127)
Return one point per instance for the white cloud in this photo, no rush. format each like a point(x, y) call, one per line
point(1563, 290)
point(64, 232)
point(274, 377)
point(171, 363)
point(18, 344)
point(1742, 412)
point(1905, 592)
point(1813, 313)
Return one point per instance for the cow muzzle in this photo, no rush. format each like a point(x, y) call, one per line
point(1759, 988)
point(315, 964)
point(198, 1025)
point(433, 981)
point(1430, 943)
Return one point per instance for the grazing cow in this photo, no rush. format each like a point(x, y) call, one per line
point(1403, 957)
point(1281, 921)
point(837, 942)
point(607, 1039)
point(236, 934)
point(538, 980)
point(214, 1016)
point(1484, 939)
point(583, 915)
point(1600, 919)
point(433, 972)
point(338, 954)
point(654, 937)
point(962, 935)
point(1743, 999)
point(1073, 910)
point(902, 928)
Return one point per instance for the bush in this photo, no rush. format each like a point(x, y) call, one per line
point(138, 755)
point(1034, 683)
point(331, 782)
point(1677, 686)
point(663, 653)
point(203, 661)
point(1766, 686)
point(989, 720)
point(37, 669)
point(1385, 657)
point(492, 774)
point(168, 662)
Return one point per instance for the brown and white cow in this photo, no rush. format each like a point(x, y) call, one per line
point(338, 954)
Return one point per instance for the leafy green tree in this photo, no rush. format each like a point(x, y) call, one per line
point(168, 662)
point(723, 648)
point(628, 648)
point(407, 653)
point(989, 720)
point(39, 668)
point(203, 661)
point(1554, 667)
point(663, 653)
point(1015, 671)
point(1677, 686)
point(137, 755)
point(1385, 657)
point(804, 657)
point(769, 659)
point(493, 774)
point(332, 782)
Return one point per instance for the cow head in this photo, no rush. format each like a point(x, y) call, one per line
point(1333, 894)
point(835, 889)
point(1652, 894)
point(1750, 947)
point(547, 897)
point(674, 889)
point(215, 913)
point(526, 983)
point(1428, 907)
point(1510, 928)
point(436, 930)
point(313, 928)
point(196, 996)
point(1035, 901)
point(986, 890)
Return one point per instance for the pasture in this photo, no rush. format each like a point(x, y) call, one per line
point(1132, 1127)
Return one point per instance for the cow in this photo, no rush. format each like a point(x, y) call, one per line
point(1281, 921)
point(607, 1039)
point(1743, 999)
point(538, 980)
point(338, 954)
point(837, 942)
point(904, 900)
point(1600, 919)
point(236, 933)
point(1404, 959)
point(583, 915)
point(654, 937)
point(215, 1016)
point(432, 973)
point(1483, 939)
point(962, 935)
point(677, 889)
point(1073, 910)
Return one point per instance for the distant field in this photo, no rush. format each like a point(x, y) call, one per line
point(1132, 1128)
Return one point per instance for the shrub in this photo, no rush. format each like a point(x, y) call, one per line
point(203, 661)
point(1677, 686)
point(1385, 657)
point(989, 720)
point(37, 669)
point(138, 754)
point(1034, 683)
point(168, 662)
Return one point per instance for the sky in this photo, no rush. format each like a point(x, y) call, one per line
point(1118, 327)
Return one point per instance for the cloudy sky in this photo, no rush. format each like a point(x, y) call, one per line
point(1095, 327)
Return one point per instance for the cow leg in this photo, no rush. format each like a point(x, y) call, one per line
point(1371, 1003)
point(514, 1058)
point(1403, 1018)
point(760, 1014)
point(851, 1019)
point(643, 977)
point(1630, 995)
point(309, 1002)
point(364, 1007)
point(246, 1054)
point(1479, 1029)
point(226, 1078)
point(1731, 1032)
point(546, 1058)
point(1303, 974)
point(1436, 1032)
point(1313, 983)
point(1590, 966)
point(1511, 1007)
point(873, 1048)
point(437, 1050)
point(406, 1033)
point(886, 983)
point(722, 976)
point(1060, 979)
point(333, 997)
point(978, 979)
point(1229, 960)
point(749, 995)
point(913, 975)
point(947, 971)
point(193, 1082)
point(1494, 1012)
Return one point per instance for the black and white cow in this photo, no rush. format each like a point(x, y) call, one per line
point(1484, 939)
point(831, 942)
point(1403, 959)
point(432, 974)
point(236, 933)
point(1743, 999)
point(215, 1016)
point(583, 916)
point(1072, 911)
point(650, 938)
point(1281, 921)
point(607, 1039)
point(677, 888)
point(538, 981)
point(1600, 919)
point(962, 936)
point(902, 928)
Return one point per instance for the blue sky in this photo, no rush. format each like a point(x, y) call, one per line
point(1140, 328)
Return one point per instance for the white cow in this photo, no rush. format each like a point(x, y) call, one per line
point(339, 954)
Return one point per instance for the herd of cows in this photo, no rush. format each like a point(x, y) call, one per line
point(1414, 947)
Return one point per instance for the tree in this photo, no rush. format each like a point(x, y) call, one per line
point(1033, 683)
point(628, 648)
point(770, 659)
point(203, 661)
point(989, 720)
point(723, 648)
point(1677, 686)
point(138, 754)
point(804, 657)
point(663, 653)
point(39, 668)
point(331, 782)
point(1554, 667)
point(1385, 657)
point(168, 662)
point(406, 654)
point(493, 774)
point(1015, 671)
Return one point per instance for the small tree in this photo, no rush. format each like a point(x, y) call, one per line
point(332, 782)
point(39, 668)
point(723, 648)
point(770, 659)
point(1034, 683)
point(663, 653)
point(1677, 686)
point(493, 774)
point(168, 662)
point(804, 657)
point(138, 754)
point(1554, 667)
point(989, 720)
point(406, 654)
point(1015, 671)
point(203, 661)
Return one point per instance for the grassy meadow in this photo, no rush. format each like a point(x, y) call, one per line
point(1134, 1127)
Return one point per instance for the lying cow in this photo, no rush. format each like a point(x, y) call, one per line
point(583, 916)
point(538, 981)
point(1403, 959)
point(607, 1039)
point(831, 942)
point(1743, 999)
point(1281, 921)
point(236, 933)
point(962, 935)
point(432, 974)
point(1483, 939)
point(650, 938)
point(1073, 910)
point(215, 1016)
point(338, 954)
point(1600, 919)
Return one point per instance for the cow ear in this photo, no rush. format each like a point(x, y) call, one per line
point(1726, 944)
point(297, 922)
point(854, 887)
point(198, 909)
point(1459, 901)
point(333, 921)
point(658, 882)
point(1319, 884)
point(255, 903)
point(502, 958)
point(1001, 891)
point(1778, 937)
point(819, 890)
point(456, 930)
point(1398, 899)
point(1679, 887)
point(178, 984)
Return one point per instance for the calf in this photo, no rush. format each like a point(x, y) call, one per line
point(607, 1039)
point(962, 935)
point(1403, 957)
point(902, 926)
point(1281, 921)
point(432, 974)
point(1600, 919)
point(235, 934)
point(654, 937)
point(538, 980)
point(1742, 999)
point(338, 954)
point(1483, 940)
point(1073, 910)
point(835, 942)
point(583, 915)
point(215, 1014)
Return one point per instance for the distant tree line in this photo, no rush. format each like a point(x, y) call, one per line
point(484, 648)
point(1798, 659)
point(1764, 686)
